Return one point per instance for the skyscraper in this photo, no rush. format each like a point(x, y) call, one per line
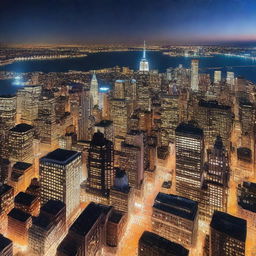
point(227, 235)
point(230, 78)
point(144, 66)
point(60, 175)
point(175, 218)
point(100, 166)
point(94, 93)
point(194, 75)
point(151, 244)
point(189, 160)
point(217, 76)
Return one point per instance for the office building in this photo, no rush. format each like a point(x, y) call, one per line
point(120, 192)
point(100, 166)
point(144, 66)
point(151, 244)
point(6, 199)
point(27, 203)
point(87, 235)
point(227, 235)
point(47, 229)
point(230, 78)
point(194, 75)
point(217, 76)
point(246, 197)
point(135, 157)
point(5, 170)
point(189, 160)
point(27, 103)
point(105, 127)
point(216, 180)
point(6, 246)
point(18, 224)
point(60, 177)
point(21, 142)
point(115, 227)
point(175, 218)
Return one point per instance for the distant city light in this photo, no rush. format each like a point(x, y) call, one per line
point(17, 81)
point(104, 89)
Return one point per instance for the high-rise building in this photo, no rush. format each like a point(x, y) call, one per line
point(144, 66)
point(169, 118)
point(18, 224)
point(175, 218)
point(27, 103)
point(135, 157)
point(151, 244)
point(216, 120)
point(194, 75)
point(94, 91)
point(189, 160)
point(87, 235)
point(5, 170)
point(60, 176)
point(227, 235)
point(8, 106)
point(230, 78)
point(105, 127)
point(47, 229)
point(100, 166)
point(6, 198)
point(21, 142)
point(6, 246)
point(115, 227)
point(217, 76)
point(46, 122)
point(246, 197)
point(216, 179)
point(119, 193)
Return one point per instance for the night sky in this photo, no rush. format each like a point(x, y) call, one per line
point(100, 21)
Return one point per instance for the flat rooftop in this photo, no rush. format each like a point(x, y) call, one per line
point(161, 244)
point(69, 246)
point(116, 216)
point(19, 215)
point(177, 205)
point(22, 166)
point(4, 188)
point(190, 129)
point(53, 207)
point(230, 225)
point(88, 217)
point(21, 128)
point(4, 242)
point(104, 123)
point(213, 104)
point(60, 156)
point(25, 199)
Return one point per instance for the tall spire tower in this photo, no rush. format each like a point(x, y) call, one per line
point(94, 94)
point(144, 63)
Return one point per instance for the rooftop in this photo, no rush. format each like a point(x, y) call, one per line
point(21, 128)
point(176, 205)
point(19, 215)
point(24, 199)
point(53, 207)
point(22, 166)
point(213, 104)
point(4, 188)
point(116, 216)
point(60, 156)
point(4, 242)
point(160, 243)
point(230, 225)
point(104, 123)
point(88, 217)
point(190, 129)
point(69, 246)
